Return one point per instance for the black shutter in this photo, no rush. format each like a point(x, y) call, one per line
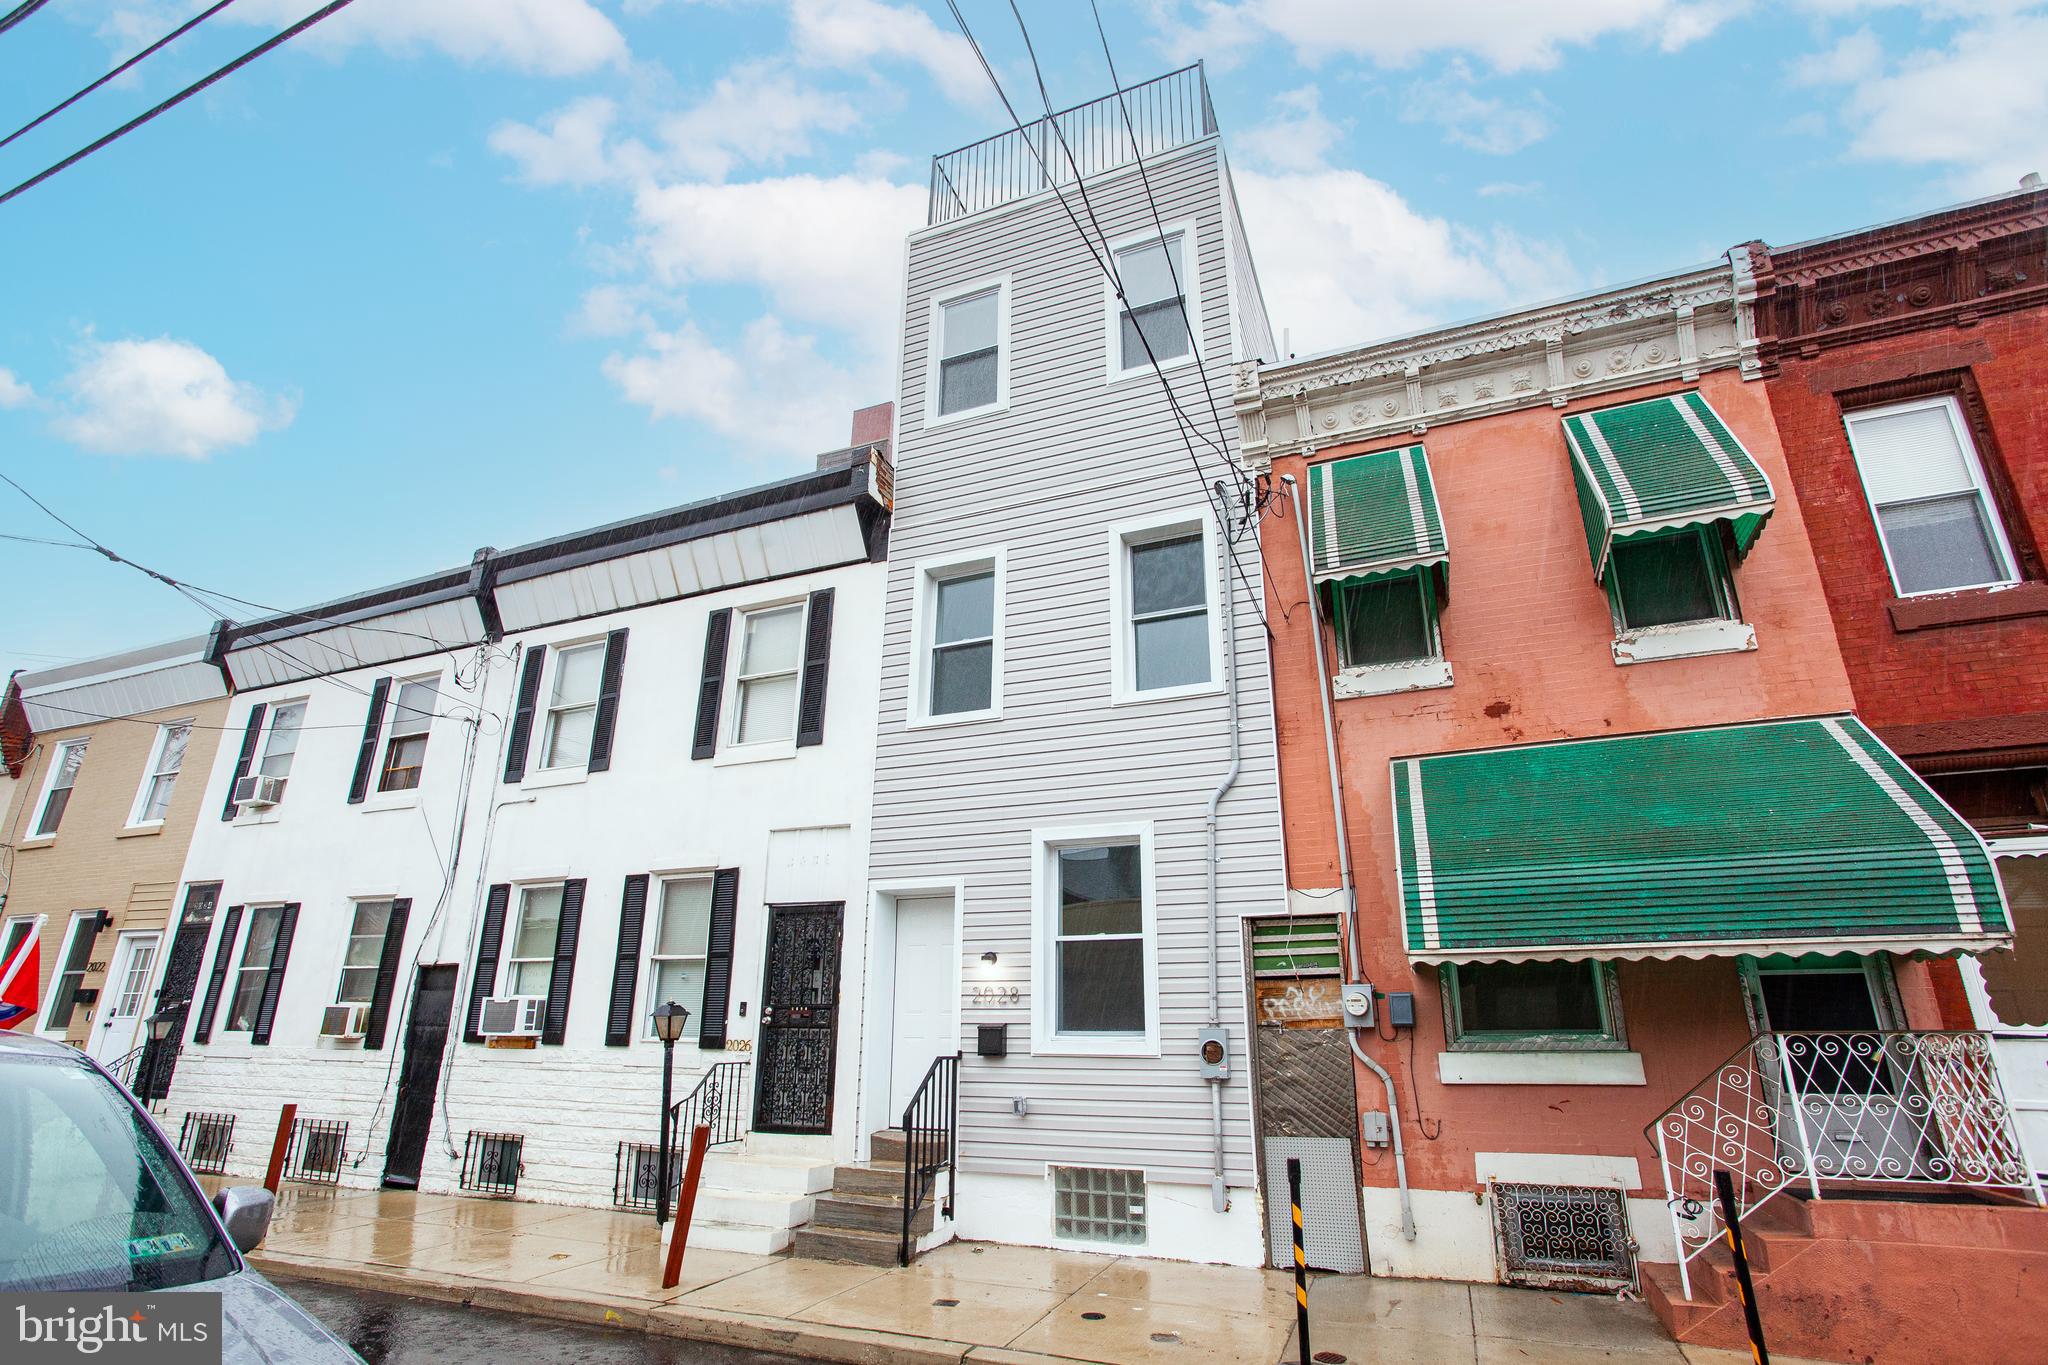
point(366, 757)
point(387, 974)
point(231, 921)
point(618, 1027)
point(255, 727)
point(487, 945)
point(273, 980)
point(522, 718)
point(710, 687)
point(810, 709)
point(725, 904)
point(608, 702)
point(564, 974)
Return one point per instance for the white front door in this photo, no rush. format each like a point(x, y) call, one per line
point(926, 995)
point(117, 1023)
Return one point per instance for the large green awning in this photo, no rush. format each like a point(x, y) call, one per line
point(1660, 464)
point(1786, 836)
point(1373, 515)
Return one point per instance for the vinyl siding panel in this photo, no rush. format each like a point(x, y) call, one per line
point(1073, 455)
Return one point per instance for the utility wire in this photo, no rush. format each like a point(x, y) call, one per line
point(180, 31)
point(188, 92)
point(19, 13)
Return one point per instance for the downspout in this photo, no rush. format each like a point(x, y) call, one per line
point(1217, 1194)
point(1350, 906)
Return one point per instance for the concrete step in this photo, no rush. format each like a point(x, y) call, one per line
point(710, 1234)
point(761, 1208)
point(891, 1144)
point(1679, 1315)
point(869, 1215)
point(767, 1172)
point(869, 1178)
point(845, 1244)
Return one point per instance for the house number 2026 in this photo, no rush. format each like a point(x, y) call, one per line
point(997, 995)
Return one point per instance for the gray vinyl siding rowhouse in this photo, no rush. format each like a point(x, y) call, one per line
point(1049, 487)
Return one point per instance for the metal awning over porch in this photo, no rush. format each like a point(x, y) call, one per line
point(1787, 836)
point(1374, 515)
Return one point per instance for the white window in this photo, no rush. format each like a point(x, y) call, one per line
point(64, 766)
point(1095, 974)
point(572, 706)
point(363, 951)
point(405, 749)
point(1927, 491)
point(281, 741)
point(259, 949)
point(677, 948)
point(166, 757)
point(17, 930)
point(969, 370)
point(70, 973)
point(1165, 641)
point(1157, 306)
point(531, 963)
point(957, 620)
point(767, 681)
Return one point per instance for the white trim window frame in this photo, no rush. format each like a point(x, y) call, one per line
point(679, 952)
point(742, 687)
point(408, 724)
point(538, 956)
point(932, 578)
point(49, 1025)
point(563, 717)
point(1125, 620)
point(1182, 245)
point(1978, 487)
point(272, 761)
point(1049, 934)
point(937, 349)
point(66, 759)
point(362, 951)
point(160, 777)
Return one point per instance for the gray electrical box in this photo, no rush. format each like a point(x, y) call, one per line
point(1357, 997)
point(1214, 1045)
point(1372, 1128)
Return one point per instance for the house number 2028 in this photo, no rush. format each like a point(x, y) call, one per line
point(997, 995)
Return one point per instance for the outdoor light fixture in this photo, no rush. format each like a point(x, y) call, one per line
point(669, 1018)
point(160, 1025)
point(989, 957)
point(668, 1022)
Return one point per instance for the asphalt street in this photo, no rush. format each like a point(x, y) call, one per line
point(388, 1329)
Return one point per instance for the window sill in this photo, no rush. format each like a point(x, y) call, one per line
point(953, 718)
point(399, 801)
point(1592, 1067)
point(767, 752)
point(1687, 641)
point(1058, 1046)
point(1116, 377)
point(953, 419)
point(1968, 606)
point(40, 841)
point(140, 831)
point(1132, 697)
point(554, 777)
point(1385, 679)
point(252, 818)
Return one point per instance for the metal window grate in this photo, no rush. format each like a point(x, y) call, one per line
point(636, 1175)
point(205, 1141)
point(317, 1146)
point(491, 1162)
point(1093, 1205)
point(1563, 1237)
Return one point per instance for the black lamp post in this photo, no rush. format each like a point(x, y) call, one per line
point(161, 1025)
point(669, 1018)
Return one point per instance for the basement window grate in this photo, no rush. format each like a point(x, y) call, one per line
point(316, 1150)
point(205, 1141)
point(1097, 1205)
point(1563, 1237)
point(491, 1162)
point(636, 1176)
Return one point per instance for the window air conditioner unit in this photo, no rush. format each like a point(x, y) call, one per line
point(513, 1016)
point(259, 792)
point(343, 1021)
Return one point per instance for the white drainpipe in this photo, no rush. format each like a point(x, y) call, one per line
point(1350, 905)
point(1217, 1193)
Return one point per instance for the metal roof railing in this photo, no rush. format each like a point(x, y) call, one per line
point(1167, 112)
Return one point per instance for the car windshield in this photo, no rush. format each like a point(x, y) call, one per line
point(89, 1196)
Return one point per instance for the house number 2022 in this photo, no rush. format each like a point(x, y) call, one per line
point(997, 995)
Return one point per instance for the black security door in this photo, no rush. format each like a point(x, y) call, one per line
point(799, 1020)
point(426, 1035)
point(181, 978)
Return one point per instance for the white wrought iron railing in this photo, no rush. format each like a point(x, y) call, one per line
point(1821, 1109)
point(1138, 121)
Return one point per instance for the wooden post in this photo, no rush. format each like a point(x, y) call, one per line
point(1724, 1189)
point(1300, 1256)
point(280, 1145)
point(679, 1231)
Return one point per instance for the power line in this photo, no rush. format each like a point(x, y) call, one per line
point(188, 92)
point(19, 13)
point(180, 31)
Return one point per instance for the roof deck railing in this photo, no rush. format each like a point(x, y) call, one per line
point(1168, 112)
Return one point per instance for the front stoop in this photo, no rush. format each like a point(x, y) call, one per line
point(861, 1220)
point(1856, 1279)
point(750, 1201)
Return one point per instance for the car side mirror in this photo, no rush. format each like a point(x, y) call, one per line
point(245, 1211)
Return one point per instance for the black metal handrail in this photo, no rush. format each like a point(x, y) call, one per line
point(930, 1143)
point(124, 1068)
point(719, 1102)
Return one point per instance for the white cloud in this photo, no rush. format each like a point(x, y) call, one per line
point(1497, 189)
point(14, 392)
point(574, 147)
point(547, 37)
point(1854, 58)
point(844, 33)
point(610, 310)
point(759, 112)
point(1469, 119)
point(1510, 35)
point(1298, 137)
point(1343, 259)
point(163, 397)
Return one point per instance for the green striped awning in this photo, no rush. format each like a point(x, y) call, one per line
point(1661, 464)
point(1373, 515)
point(1784, 836)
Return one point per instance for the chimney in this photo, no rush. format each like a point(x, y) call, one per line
point(870, 428)
point(2030, 181)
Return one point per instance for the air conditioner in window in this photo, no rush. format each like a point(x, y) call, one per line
point(343, 1021)
point(513, 1016)
point(258, 792)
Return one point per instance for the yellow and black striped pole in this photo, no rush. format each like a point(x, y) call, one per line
point(1731, 1228)
point(1300, 1256)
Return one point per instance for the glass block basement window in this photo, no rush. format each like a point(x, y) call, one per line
point(1092, 1205)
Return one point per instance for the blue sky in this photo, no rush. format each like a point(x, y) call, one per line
point(449, 273)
